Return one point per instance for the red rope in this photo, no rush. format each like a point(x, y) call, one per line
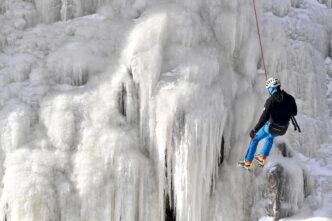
point(260, 40)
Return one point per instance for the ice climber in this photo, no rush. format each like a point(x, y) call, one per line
point(274, 121)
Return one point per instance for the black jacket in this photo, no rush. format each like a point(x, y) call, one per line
point(278, 109)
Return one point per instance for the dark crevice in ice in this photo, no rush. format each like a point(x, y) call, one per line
point(122, 100)
point(169, 210)
point(221, 153)
point(284, 150)
point(130, 72)
point(306, 184)
point(71, 80)
point(169, 198)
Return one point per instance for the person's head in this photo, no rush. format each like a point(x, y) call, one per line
point(272, 85)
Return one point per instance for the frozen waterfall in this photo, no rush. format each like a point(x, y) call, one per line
point(138, 110)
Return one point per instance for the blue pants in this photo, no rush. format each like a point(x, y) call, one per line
point(261, 134)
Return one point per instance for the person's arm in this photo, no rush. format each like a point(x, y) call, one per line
point(265, 116)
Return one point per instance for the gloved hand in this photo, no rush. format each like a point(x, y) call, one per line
point(253, 133)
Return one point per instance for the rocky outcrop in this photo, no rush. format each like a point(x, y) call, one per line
point(283, 185)
point(277, 179)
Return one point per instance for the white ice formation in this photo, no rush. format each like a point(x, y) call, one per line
point(124, 109)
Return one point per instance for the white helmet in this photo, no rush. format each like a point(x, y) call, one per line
point(272, 82)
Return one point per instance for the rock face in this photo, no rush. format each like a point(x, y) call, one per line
point(279, 191)
point(277, 182)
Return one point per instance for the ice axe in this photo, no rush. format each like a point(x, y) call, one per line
point(296, 126)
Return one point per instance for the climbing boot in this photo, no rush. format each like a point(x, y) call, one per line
point(245, 164)
point(261, 160)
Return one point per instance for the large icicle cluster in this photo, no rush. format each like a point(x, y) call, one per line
point(124, 109)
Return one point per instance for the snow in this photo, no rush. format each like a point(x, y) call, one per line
point(266, 218)
point(110, 108)
point(310, 219)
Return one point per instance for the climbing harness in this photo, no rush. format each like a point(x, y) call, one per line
point(276, 129)
point(259, 37)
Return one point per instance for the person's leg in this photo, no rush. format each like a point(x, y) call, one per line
point(265, 151)
point(261, 134)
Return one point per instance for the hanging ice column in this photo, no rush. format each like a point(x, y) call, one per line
point(183, 67)
point(180, 132)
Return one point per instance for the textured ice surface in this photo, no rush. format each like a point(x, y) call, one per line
point(112, 109)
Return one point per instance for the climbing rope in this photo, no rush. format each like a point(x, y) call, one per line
point(296, 126)
point(260, 40)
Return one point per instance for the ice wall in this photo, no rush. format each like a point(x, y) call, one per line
point(120, 110)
